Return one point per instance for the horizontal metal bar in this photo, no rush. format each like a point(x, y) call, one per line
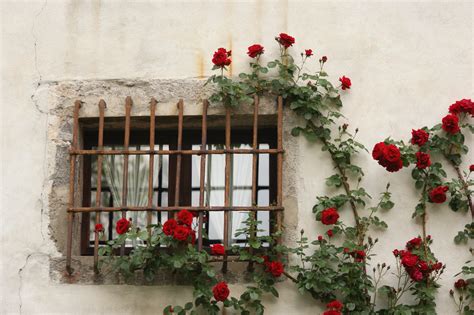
point(131, 208)
point(174, 152)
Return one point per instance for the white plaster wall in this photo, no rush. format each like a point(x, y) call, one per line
point(408, 62)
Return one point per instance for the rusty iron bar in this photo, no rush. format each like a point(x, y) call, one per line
point(98, 193)
point(253, 233)
point(228, 157)
point(202, 174)
point(174, 152)
point(151, 162)
point(72, 175)
point(126, 143)
point(279, 164)
point(179, 156)
point(174, 208)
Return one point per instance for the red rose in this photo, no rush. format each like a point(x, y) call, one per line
point(359, 255)
point(122, 226)
point(221, 57)
point(217, 249)
point(391, 153)
point(336, 305)
point(221, 291)
point(329, 216)
point(285, 40)
point(422, 160)
point(460, 284)
point(377, 152)
point(169, 226)
point(419, 137)
point(181, 232)
point(438, 266)
point(414, 243)
point(255, 50)
point(395, 166)
point(395, 252)
point(275, 268)
point(451, 124)
point(462, 106)
point(345, 82)
point(320, 238)
point(332, 312)
point(471, 168)
point(409, 260)
point(330, 233)
point(323, 59)
point(185, 217)
point(438, 194)
point(308, 52)
point(416, 275)
point(99, 228)
point(423, 265)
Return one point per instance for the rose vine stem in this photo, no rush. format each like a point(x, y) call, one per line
point(465, 187)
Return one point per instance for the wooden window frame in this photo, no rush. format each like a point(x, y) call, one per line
point(177, 153)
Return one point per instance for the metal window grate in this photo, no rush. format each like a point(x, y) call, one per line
point(75, 152)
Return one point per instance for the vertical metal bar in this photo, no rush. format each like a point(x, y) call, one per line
point(202, 174)
point(227, 185)
point(98, 194)
point(179, 156)
point(279, 164)
point(72, 174)
point(126, 143)
point(254, 170)
point(151, 161)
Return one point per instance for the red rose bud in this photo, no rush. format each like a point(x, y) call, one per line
point(395, 252)
point(99, 228)
point(122, 226)
point(329, 216)
point(460, 284)
point(169, 226)
point(438, 194)
point(220, 291)
point(471, 168)
point(330, 233)
point(255, 50)
point(416, 275)
point(438, 266)
point(422, 160)
point(185, 217)
point(419, 137)
point(345, 82)
point(451, 124)
point(323, 59)
point(217, 249)
point(308, 52)
point(320, 238)
point(220, 57)
point(285, 40)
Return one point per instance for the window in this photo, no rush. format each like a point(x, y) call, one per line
point(241, 172)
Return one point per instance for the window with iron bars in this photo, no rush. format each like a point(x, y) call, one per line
point(148, 168)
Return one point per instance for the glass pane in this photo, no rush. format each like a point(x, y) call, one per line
point(237, 223)
point(264, 216)
point(263, 167)
point(263, 197)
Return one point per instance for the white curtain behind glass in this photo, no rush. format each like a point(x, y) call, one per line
point(138, 169)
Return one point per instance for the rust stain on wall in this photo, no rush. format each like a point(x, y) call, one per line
point(200, 64)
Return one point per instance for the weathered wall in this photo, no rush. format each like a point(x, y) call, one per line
point(408, 62)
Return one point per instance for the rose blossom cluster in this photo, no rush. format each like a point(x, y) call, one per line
point(417, 268)
point(276, 268)
point(450, 123)
point(221, 57)
point(180, 229)
point(388, 155)
point(334, 308)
